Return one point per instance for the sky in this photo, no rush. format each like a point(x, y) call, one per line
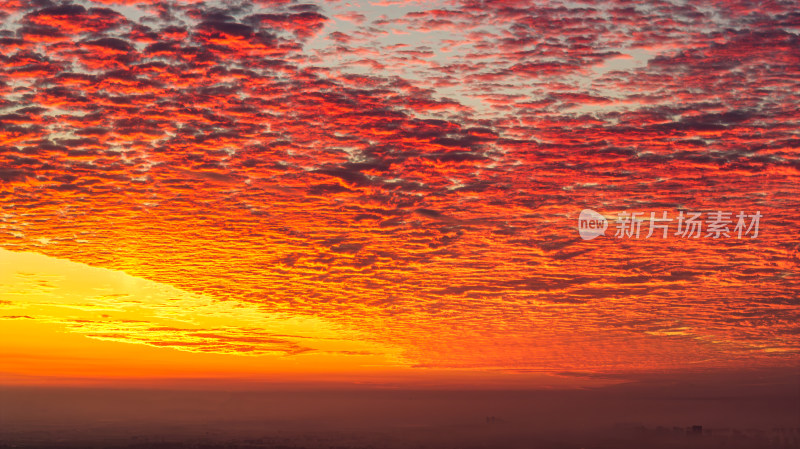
point(388, 192)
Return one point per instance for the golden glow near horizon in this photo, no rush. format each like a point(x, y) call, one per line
point(66, 323)
point(45, 302)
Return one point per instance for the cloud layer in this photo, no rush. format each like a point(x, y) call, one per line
point(415, 171)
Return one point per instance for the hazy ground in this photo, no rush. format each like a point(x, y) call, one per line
point(734, 414)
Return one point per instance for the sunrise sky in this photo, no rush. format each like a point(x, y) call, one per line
point(387, 192)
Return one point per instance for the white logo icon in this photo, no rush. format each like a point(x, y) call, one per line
point(591, 224)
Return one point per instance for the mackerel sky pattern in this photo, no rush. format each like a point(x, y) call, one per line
point(415, 170)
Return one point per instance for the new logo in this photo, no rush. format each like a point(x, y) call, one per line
point(591, 224)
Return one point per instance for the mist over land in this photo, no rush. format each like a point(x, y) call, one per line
point(756, 411)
